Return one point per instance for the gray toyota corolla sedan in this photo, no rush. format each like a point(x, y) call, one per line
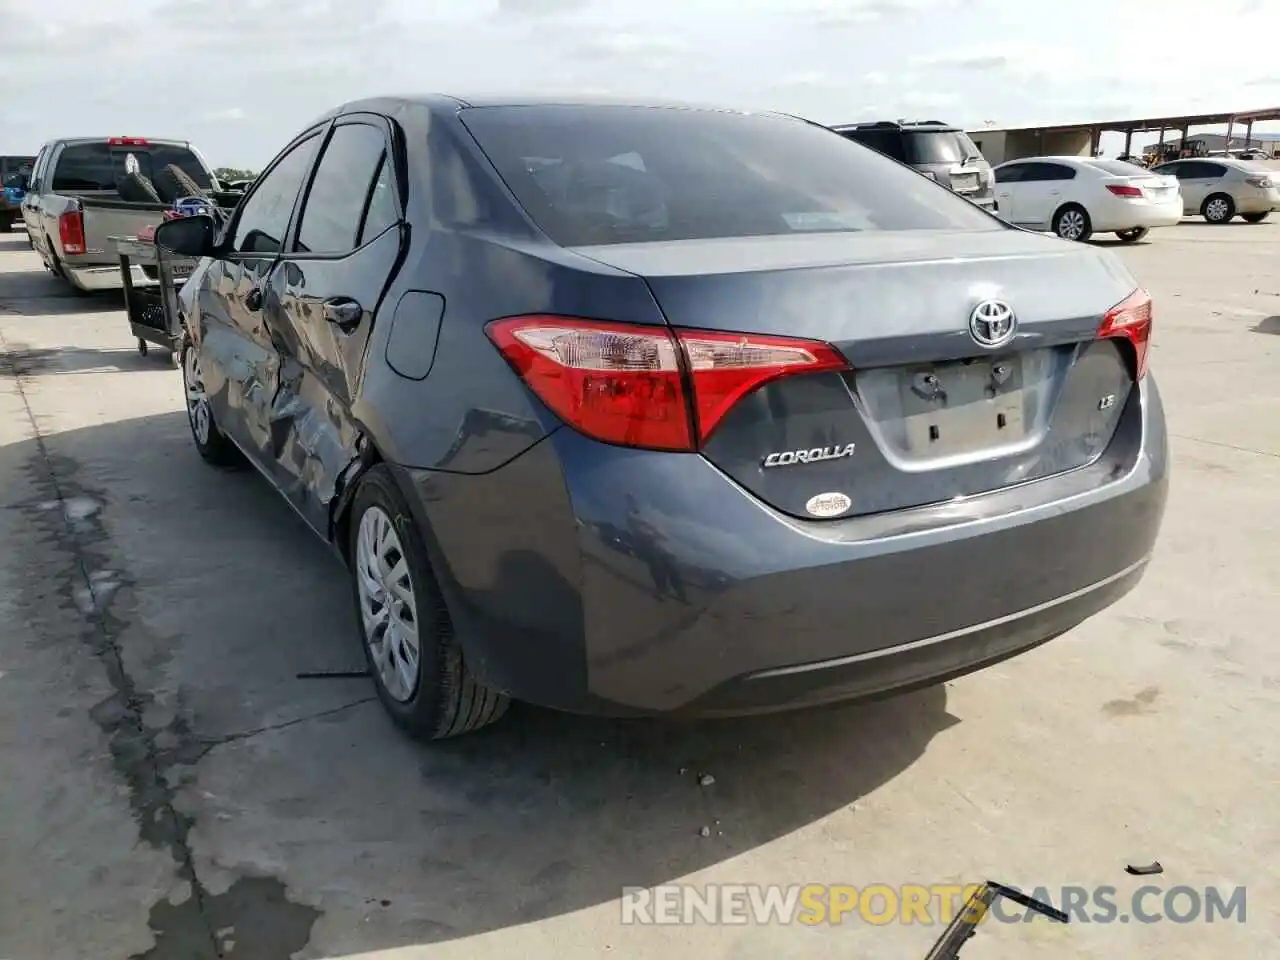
point(637, 409)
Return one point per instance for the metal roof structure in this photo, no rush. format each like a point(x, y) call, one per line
point(1143, 123)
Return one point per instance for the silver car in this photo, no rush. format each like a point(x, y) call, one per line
point(1220, 188)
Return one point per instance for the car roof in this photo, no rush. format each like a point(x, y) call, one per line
point(453, 102)
point(904, 126)
point(1067, 160)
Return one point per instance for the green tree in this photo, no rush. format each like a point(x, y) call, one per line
point(233, 173)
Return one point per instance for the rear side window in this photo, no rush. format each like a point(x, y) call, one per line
point(331, 217)
point(100, 166)
point(1010, 174)
point(604, 174)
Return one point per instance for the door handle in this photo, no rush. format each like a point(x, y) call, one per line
point(253, 299)
point(343, 312)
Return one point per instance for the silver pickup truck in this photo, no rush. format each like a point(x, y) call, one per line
point(86, 190)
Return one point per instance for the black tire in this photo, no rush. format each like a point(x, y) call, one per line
point(1133, 235)
point(143, 347)
point(173, 183)
point(1218, 208)
point(1255, 217)
point(447, 700)
point(56, 269)
point(135, 188)
point(1068, 215)
point(6, 222)
point(214, 449)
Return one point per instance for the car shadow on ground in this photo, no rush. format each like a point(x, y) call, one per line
point(318, 821)
point(81, 360)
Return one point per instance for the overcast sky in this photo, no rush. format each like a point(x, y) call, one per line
point(239, 77)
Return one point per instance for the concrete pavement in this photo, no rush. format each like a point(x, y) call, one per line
point(172, 791)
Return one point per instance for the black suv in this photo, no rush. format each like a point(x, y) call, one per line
point(936, 149)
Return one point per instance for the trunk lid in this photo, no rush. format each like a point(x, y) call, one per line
point(928, 413)
point(1155, 187)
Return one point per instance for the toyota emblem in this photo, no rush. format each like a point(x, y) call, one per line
point(992, 323)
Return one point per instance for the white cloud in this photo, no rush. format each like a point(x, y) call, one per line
point(875, 78)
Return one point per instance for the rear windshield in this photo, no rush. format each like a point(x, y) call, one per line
point(1119, 168)
point(14, 169)
point(605, 174)
point(100, 166)
point(949, 146)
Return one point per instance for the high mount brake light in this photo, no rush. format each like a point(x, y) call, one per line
point(648, 386)
point(1130, 319)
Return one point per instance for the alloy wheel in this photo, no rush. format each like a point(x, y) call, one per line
point(388, 606)
point(1216, 210)
point(197, 397)
point(1071, 225)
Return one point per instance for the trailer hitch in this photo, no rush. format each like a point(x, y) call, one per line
point(965, 924)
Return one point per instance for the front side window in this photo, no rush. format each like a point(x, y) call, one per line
point(604, 175)
point(264, 217)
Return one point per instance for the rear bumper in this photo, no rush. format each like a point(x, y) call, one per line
point(95, 277)
point(598, 579)
point(918, 663)
point(1131, 214)
point(1257, 201)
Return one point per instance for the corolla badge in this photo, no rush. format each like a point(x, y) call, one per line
point(788, 458)
point(992, 323)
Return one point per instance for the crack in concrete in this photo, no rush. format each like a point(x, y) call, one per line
point(204, 745)
point(269, 926)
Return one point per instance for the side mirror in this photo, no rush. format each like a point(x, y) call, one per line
point(188, 236)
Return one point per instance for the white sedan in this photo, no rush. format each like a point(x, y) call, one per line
point(1076, 197)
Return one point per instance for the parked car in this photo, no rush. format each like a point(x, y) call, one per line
point(1221, 188)
point(1076, 197)
point(15, 172)
point(938, 150)
point(634, 410)
point(75, 201)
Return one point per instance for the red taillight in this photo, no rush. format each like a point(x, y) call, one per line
point(725, 367)
point(126, 141)
point(1124, 190)
point(71, 232)
point(626, 383)
point(1131, 320)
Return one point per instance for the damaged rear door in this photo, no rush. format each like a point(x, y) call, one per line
point(324, 292)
